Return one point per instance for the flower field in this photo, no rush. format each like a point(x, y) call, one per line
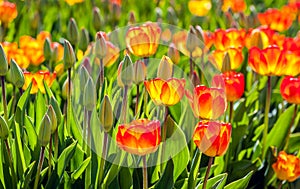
point(150, 94)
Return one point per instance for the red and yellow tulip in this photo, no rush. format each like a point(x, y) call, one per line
point(234, 5)
point(37, 79)
point(235, 57)
point(140, 137)
point(8, 12)
point(290, 89)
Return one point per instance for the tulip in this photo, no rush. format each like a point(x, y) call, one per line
point(3, 62)
point(72, 2)
point(207, 103)
point(230, 38)
point(234, 5)
point(290, 89)
point(16, 74)
point(165, 92)
point(173, 53)
point(233, 82)
point(96, 18)
point(37, 80)
point(12, 51)
point(106, 116)
point(218, 58)
point(165, 68)
point(69, 55)
point(199, 7)
point(287, 167)
point(139, 137)
point(212, 137)
point(89, 96)
point(143, 40)
point(8, 12)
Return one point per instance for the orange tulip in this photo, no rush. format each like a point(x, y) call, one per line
point(165, 92)
point(290, 89)
point(212, 137)
point(207, 103)
point(37, 80)
point(287, 167)
point(269, 61)
point(235, 55)
point(234, 5)
point(140, 137)
point(230, 38)
point(234, 84)
point(199, 7)
point(143, 40)
point(13, 52)
point(8, 12)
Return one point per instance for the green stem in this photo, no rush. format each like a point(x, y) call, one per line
point(4, 98)
point(56, 144)
point(68, 120)
point(230, 120)
point(84, 127)
point(280, 184)
point(101, 75)
point(137, 99)
point(40, 165)
point(291, 125)
point(163, 138)
point(14, 177)
point(145, 175)
point(266, 118)
point(191, 65)
point(124, 105)
point(207, 172)
point(50, 157)
point(88, 150)
point(102, 162)
point(230, 112)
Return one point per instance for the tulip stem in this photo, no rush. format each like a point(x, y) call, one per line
point(68, 120)
point(14, 177)
point(40, 165)
point(280, 184)
point(291, 125)
point(145, 175)
point(88, 172)
point(4, 98)
point(163, 138)
point(210, 161)
point(191, 65)
point(56, 144)
point(50, 157)
point(230, 112)
point(137, 98)
point(21, 91)
point(124, 105)
point(266, 118)
point(102, 161)
point(101, 76)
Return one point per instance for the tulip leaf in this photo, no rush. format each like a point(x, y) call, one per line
point(278, 133)
point(194, 169)
point(75, 126)
point(79, 171)
point(40, 109)
point(125, 178)
point(27, 175)
point(294, 143)
point(31, 133)
point(216, 182)
point(241, 183)
point(166, 180)
point(20, 110)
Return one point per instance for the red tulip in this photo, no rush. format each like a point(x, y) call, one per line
point(290, 89)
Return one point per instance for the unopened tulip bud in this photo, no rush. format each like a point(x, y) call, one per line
point(131, 19)
point(165, 68)
point(96, 18)
point(226, 63)
point(47, 49)
point(83, 77)
point(106, 114)
point(45, 131)
point(191, 42)
point(158, 13)
point(4, 131)
point(69, 55)
point(140, 72)
point(53, 119)
point(54, 54)
point(16, 74)
point(100, 46)
point(173, 53)
point(89, 96)
point(200, 35)
point(53, 102)
point(256, 39)
point(171, 16)
point(65, 89)
point(3, 62)
point(127, 71)
point(72, 33)
point(86, 63)
point(84, 40)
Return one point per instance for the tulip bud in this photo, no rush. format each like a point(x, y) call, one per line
point(106, 114)
point(200, 35)
point(65, 89)
point(87, 65)
point(100, 46)
point(84, 40)
point(96, 18)
point(56, 109)
point(131, 19)
point(16, 74)
point(165, 68)
point(256, 39)
point(72, 33)
point(171, 16)
point(226, 63)
point(4, 131)
point(54, 54)
point(158, 13)
point(3, 62)
point(69, 55)
point(47, 49)
point(52, 117)
point(45, 131)
point(140, 72)
point(83, 77)
point(191, 42)
point(173, 53)
point(127, 71)
point(89, 96)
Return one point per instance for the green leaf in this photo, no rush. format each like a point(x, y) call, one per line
point(75, 127)
point(278, 134)
point(241, 183)
point(20, 111)
point(27, 175)
point(125, 178)
point(78, 172)
point(40, 109)
point(194, 169)
point(216, 182)
point(166, 180)
point(294, 143)
point(30, 130)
